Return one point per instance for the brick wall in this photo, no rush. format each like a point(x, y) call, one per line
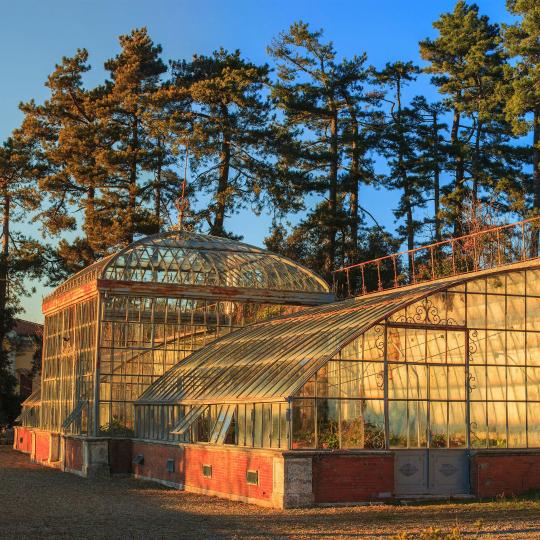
point(352, 478)
point(510, 474)
point(43, 441)
point(23, 439)
point(73, 454)
point(229, 468)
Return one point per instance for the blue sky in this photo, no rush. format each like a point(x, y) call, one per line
point(35, 34)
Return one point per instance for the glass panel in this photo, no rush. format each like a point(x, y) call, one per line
point(438, 419)
point(456, 347)
point(533, 348)
point(477, 347)
point(397, 381)
point(515, 313)
point(328, 423)
point(457, 427)
point(515, 348)
point(328, 380)
point(533, 313)
point(397, 419)
point(456, 382)
point(417, 382)
point(241, 425)
point(515, 377)
point(533, 414)
point(496, 382)
point(495, 311)
point(495, 347)
point(436, 346)
point(267, 425)
point(417, 424)
point(438, 382)
point(495, 284)
point(533, 385)
point(497, 424)
point(515, 283)
point(517, 421)
point(258, 426)
point(476, 310)
point(303, 435)
point(362, 424)
point(533, 282)
point(477, 383)
point(476, 285)
point(276, 420)
point(455, 311)
point(478, 429)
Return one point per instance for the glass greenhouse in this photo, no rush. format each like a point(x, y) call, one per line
point(117, 326)
point(452, 364)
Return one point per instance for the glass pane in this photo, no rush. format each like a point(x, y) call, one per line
point(533, 348)
point(456, 382)
point(495, 311)
point(533, 313)
point(362, 424)
point(303, 435)
point(457, 427)
point(456, 347)
point(417, 381)
point(477, 285)
point(455, 308)
point(328, 423)
point(533, 415)
point(497, 424)
point(438, 382)
point(415, 345)
point(396, 344)
point(478, 429)
point(495, 284)
point(515, 348)
point(275, 424)
point(267, 425)
point(258, 426)
point(495, 347)
point(533, 282)
point(397, 381)
point(533, 385)
point(496, 382)
point(397, 419)
point(436, 346)
point(515, 283)
point(417, 424)
point(517, 425)
point(241, 425)
point(476, 310)
point(438, 418)
point(477, 347)
point(477, 382)
point(515, 313)
point(515, 377)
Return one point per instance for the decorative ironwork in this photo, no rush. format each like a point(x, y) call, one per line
point(426, 313)
point(481, 250)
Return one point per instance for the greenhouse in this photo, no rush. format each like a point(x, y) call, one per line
point(428, 371)
point(116, 326)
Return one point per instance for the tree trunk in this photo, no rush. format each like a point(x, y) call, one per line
point(536, 176)
point(217, 228)
point(353, 186)
point(6, 204)
point(333, 189)
point(132, 188)
point(436, 182)
point(460, 175)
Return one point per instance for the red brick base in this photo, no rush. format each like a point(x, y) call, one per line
point(352, 478)
point(73, 454)
point(22, 439)
point(511, 473)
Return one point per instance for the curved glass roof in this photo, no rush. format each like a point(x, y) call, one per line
point(187, 258)
point(273, 359)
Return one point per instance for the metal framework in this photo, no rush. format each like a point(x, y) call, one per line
point(115, 327)
point(447, 364)
point(490, 248)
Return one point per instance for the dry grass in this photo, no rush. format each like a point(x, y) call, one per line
point(37, 502)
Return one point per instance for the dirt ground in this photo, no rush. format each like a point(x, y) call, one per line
point(38, 502)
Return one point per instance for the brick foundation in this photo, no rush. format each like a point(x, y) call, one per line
point(352, 478)
point(504, 473)
point(42, 446)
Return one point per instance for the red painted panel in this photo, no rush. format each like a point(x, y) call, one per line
point(229, 468)
point(342, 478)
point(43, 441)
point(73, 454)
point(23, 439)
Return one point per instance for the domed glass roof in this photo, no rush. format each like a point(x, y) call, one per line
point(187, 258)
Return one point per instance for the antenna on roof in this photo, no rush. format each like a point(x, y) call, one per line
point(182, 203)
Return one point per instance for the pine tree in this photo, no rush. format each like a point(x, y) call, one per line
point(522, 41)
point(229, 135)
point(130, 145)
point(466, 61)
point(21, 258)
point(400, 149)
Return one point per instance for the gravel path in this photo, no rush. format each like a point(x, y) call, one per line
point(38, 502)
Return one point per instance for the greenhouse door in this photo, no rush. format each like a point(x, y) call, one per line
point(431, 472)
